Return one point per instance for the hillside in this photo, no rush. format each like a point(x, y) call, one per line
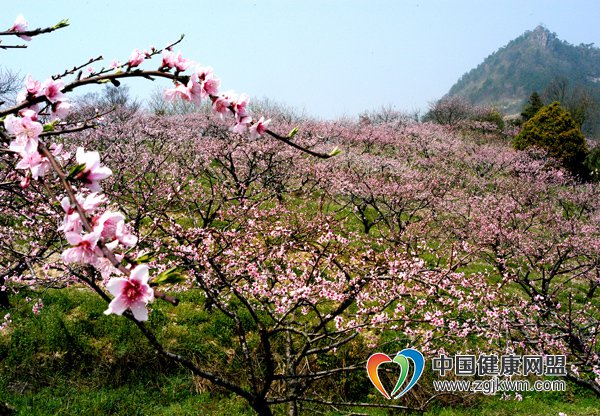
point(531, 62)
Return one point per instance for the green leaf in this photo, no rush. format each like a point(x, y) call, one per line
point(76, 170)
point(61, 24)
point(172, 276)
point(336, 151)
point(50, 126)
point(293, 132)
point(144, 257)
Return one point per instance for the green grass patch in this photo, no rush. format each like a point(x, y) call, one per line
point(71, 359)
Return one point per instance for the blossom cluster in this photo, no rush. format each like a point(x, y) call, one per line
point(84, 231)
point(26, 126)
point(204, 84)
point(97, 234)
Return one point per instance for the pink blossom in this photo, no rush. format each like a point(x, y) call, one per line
point(33, 161)
point(106, 225)
point(170, 60)
point(28, 160)
point(37, 307)
point(32, 86)
point(195, 89)
point(191, 92)
point(182, 64)
point(92, 172)
point(132, 293)
point(25, 182)
point(23, 96)
point(85, 250)
point(242, 125)
point(20, 25)
point(72, 221)
point(53, 90)
point(111, 226)
point(239, 106)
point(29, 113)
point(221, 105)
point(259, 128)
point(7, 321)
point(105, 267)
point(61, 109)
point(243, 120)
point(210, 84)
point(26, 132)
point(136, 58)
point(179, 92)
point(167, 59)
point(124, 235)
point(91, 202)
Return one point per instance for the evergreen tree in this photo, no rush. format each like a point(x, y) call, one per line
point(553, 129)
point(532, 107)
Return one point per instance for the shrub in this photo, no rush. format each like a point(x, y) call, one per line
point(489, 115)
point(553, 129)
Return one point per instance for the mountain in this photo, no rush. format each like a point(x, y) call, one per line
point(535, 61)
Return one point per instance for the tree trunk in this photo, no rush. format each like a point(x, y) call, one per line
point(262, 407)
point(3, 295)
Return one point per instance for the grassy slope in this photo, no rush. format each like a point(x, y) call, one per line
point(72, 360)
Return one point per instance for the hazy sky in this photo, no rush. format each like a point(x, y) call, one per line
point(329, 57)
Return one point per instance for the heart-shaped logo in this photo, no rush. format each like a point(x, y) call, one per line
point(403, 359)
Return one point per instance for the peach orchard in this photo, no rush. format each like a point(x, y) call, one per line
point(336, 237)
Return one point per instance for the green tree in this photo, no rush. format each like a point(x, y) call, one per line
point(553, 129)
point(581, 101)
point(532, 107)
point(592, 163)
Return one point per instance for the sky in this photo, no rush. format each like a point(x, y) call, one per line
point(328, 58)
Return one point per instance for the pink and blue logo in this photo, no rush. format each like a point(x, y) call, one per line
point(403, 359)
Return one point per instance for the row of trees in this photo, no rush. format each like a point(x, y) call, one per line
point(555, 128)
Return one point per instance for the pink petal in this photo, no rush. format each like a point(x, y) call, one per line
point(139, 311)
point(140, 273)
point(73, 238)
point(99, 173)
point(89, 159)
point(75, 255)
point(124, 236)
point(105, 268)
point(116, 285)
point(118, 306)
point(12, 124)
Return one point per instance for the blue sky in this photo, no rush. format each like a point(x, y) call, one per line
point(329, 57)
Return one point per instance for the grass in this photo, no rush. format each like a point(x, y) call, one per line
point(161, 396)
point(72, 360)
point(540, 404)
